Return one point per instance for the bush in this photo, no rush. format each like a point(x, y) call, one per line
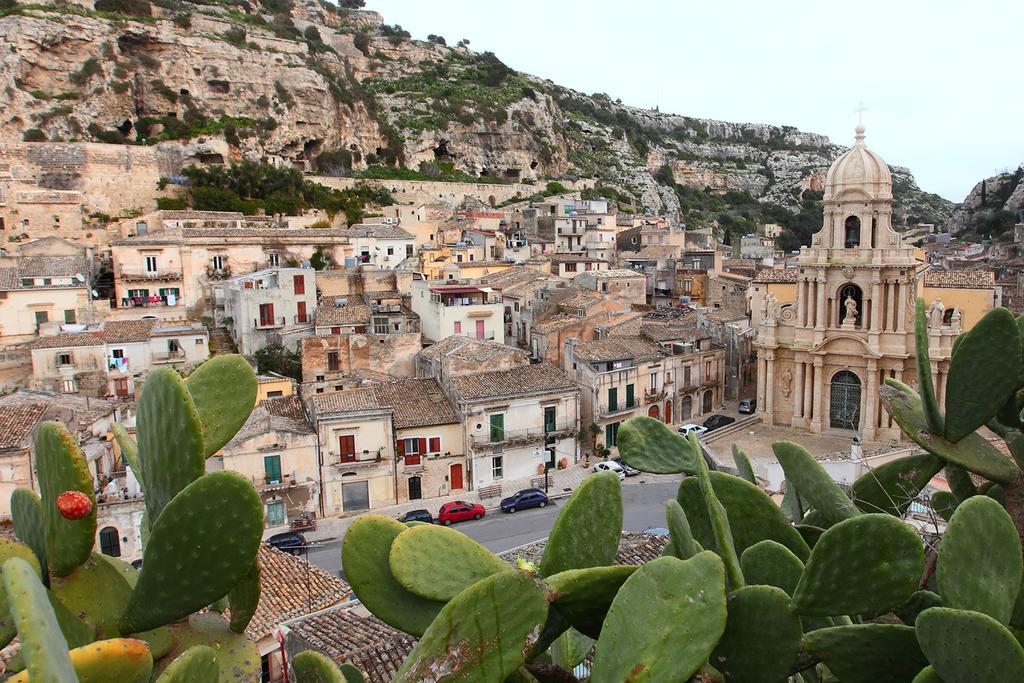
point(334, 162)
point(89, 68)
point(171, 203)
point(235, 35)
point(147, 61)
point(182, 20)
point(362, 42)
point(137, 8)
point(283, 96)
point(33, 135)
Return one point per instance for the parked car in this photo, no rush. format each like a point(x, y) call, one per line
point(521, 500)
point(626, 469)
point(459, 511)
point(687, 428)
point(716, 421)
point(290, 542)
point(748, 406)
point(417, 516)
point(610, 466)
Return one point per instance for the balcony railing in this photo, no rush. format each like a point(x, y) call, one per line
point(511, 437)
point(265, 482)
point(143, 274)
point(655, 395)
point(356, 460)
point(268, 323)
point(218, 273)
point(619, 409)
point(168, 356)
point(302, 319)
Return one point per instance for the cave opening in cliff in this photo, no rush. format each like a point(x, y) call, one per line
point(126, 127)
point(442, 152)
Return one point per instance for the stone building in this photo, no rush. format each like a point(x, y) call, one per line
point(272, 305)
point(830, 330)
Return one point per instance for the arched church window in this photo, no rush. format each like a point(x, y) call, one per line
point(852, 232)
point(851, 305)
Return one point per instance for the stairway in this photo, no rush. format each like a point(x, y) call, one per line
point(221, 342)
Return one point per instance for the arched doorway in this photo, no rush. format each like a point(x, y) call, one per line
point(415, 488)
point(668, 412)
point(844, 401)
point(687, 407)
point(653, 411)
point(853, 293)
point(110, 542)
point(851, 232)
point(708, 400)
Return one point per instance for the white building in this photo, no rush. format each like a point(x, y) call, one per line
point(453, 308)
point(276, 304)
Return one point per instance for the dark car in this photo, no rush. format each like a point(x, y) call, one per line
point(459, 511)
point(417, 516)
point(521, 500)
point(716, 421)
point(290, 542)
point(748, 406)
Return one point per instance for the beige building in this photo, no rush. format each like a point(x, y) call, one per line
point(330, 362)
point(113, 358)
point(830, 330)
point(457, 355)
point(447, 308)
point(37, 292)
point(268, 306)
point(624, 284)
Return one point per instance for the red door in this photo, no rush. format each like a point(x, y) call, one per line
point(299, 284)
point(456, 476)
point(653, 411)
point(266, 314)
point(668, 412)
point(301, 318)
point(479, 329)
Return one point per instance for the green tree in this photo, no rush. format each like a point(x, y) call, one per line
point(276, 358)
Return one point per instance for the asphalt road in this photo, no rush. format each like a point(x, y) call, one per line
point(643, 507)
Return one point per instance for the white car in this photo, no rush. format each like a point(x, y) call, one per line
point(696, 429)
point(610, 466)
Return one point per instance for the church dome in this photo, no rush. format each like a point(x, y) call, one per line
point(859, 169)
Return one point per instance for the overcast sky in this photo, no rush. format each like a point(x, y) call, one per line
point(941, 79)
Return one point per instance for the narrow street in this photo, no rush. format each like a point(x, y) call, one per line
point(643, 508)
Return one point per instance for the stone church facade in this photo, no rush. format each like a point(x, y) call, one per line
point(830, 330)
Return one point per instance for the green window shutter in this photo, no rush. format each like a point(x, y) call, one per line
point(613, 399)
point(497, 427)
point(629, 396)
point(272, 468)
point(549, 419)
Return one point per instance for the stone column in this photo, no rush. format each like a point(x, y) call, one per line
point(769, 386)
point(819, 317)
point(801, 309)
point(798, 389)
point(817, 423)
point(901, 316)
point(808, 390)
point(761, 371)
point(876, 300)
point(871, 401)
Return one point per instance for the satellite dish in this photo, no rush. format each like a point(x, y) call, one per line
point(95, 294)
point(79, 277)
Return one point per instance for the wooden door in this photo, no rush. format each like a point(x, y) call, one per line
point(456, 476)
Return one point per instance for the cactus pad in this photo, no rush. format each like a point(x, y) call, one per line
point(813, 483)
point(30, 524)
point(122, 660)
point(583, 596)
point(883, 553)
point(744, 653)
point(351, 674)
point(768, 563)
point(930, 405)
point(438, 563)
point(972, 452)
point(980, 562)
point(721, 530)
point(43, 646)
point(650, 446)
point(9, 549)
point(171, 450)
point(682, 544)
point(944, 503)
point(891, 487)
point(588, 528)
point(62, 467)
point(809, 533)
point(965, 647)
point(312, 667)
point(200, 547)
point(682, 619)
point(868, 653)
point(364, 556)
point(960, 483)
point(984, 373)
point(570, 649)
point(76, 631)
point(484, 634)
point(927, 674)
point(744, 469)
point(198, 664)
point(224, 392)
point(918, 602)
point(237, 657)
point(98, 592)
point(244, 598)
point(753, 516)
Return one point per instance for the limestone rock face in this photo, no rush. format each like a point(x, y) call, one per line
point(1002, 192)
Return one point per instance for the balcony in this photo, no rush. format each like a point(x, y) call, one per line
point(175, 356)
point(218, 273)
point(620, 409)
point(268, 323)
point(654, 395)
point(146, 275)
point(302, 319)
point(363, 459)
point(520, 437)
point(147, 301)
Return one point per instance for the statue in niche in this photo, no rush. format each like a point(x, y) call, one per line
point(787, 382)
point(850, 318)
point(935, 313)
point(957, 320)
point(771, 308)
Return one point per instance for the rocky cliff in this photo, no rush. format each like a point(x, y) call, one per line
point(312, 85)
point(992, 206)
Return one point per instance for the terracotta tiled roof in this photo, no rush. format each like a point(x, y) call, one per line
point(635, 548)
point(581, 299)
point(960, 279)
point(467, 348)
point(511, 276)
point(17, 421)
point(416, 402)
point(346, 401)
point(618, 348)
point(285, 406)
point(615, 274)
point(655, 251)
point(352, 314)
point(378, 231)
point(111, 332)
point(556, 322)
point(777, 276)
point(51, 266)
point(289, 588)
point(528, 379)
point(9, 279)
point(663, 332)
point(576, 258)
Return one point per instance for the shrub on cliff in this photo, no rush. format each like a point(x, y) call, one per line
point(136, 8)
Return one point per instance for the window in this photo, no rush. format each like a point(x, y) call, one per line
point(611, 433)
point(151, 264)
point(613, 399)
point(497, 467)
point(275, 394)
point(347, 447)
point(412, 446)
point(266, 315)
point(69, 386)
point(497, 423)
point(41, 317)
point(570, 267)
point(549, 419)
point(275, 514)
point(380, 325)
point(332, 361)
point(274, 259)
point(300, 315)
point(458, 327)
point(140, 295)
point(629, 396)
point(69, 316)
point(412, 449)
point(64, 358)
point(408, 247)
point(434, 445)
point(299, 284)
point(272, 469)
point(110, 542)
point(686, 376)
point(218, 262)
point(391, 251)
point(335, 330)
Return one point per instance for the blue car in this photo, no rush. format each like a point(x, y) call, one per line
point(521, 500)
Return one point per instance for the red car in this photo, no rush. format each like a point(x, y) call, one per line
point(459, 511)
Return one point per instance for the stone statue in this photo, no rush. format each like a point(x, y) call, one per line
point(851, 311)
point(957, 320)
point(787, 382)
point(935, 313)
point(771, 308)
